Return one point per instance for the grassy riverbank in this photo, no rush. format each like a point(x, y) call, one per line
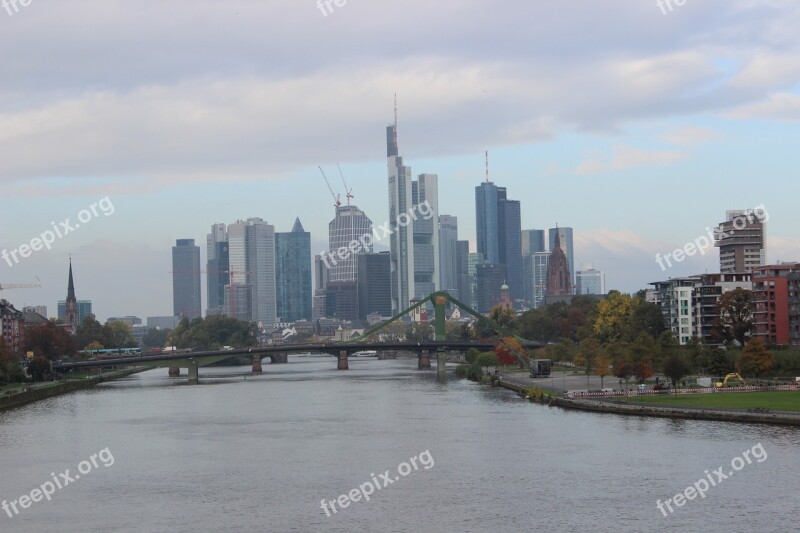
point(775, 401)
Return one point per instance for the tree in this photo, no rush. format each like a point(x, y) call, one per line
point(735, 316)
point(602, 366)
point(675, 368)
point(642, 371)
point(613, 316)
point(509, 352)
point(38, 367)
point(623, 370)
point(118, 335)
point(589, 350)
point(156, 338)
point(48, 340)
point(718, 362)
point(755, 359)
point(89, 330)
point(419, 332)
point(487, 359)
point(472, 355)
point(645, 318)
point(503, 317)
point(5, 352)
point(396, 331)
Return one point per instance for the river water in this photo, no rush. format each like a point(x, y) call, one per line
point(244, 453)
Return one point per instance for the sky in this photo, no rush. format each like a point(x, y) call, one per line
point(638, 126)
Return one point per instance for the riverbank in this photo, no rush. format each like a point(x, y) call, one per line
point(598, 406)
point(17, 399)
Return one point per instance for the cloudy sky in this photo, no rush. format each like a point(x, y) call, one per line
point(635, 125)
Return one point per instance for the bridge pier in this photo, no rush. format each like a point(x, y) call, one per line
point(194, 377)
point(174, 372)
point(441, 363)
point(424, 362)
point(343, 363)
point(257, 364)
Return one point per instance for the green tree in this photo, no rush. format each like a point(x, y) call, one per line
point(419, 332)
point(735, 316)
point(89, 330)
point(118, 335)
point(487, 359)
point(675, 368)
point(38, 367)
point(646, 317)
point(588, 351)
point(718, 362)
point(472, 355)
point(156, 338)
point(755, 359)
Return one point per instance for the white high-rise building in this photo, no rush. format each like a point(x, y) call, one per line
point(590, 280)
point(260, 253)
point(415, 246)
point(448, 253)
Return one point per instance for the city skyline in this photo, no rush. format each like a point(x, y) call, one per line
point(674, 110)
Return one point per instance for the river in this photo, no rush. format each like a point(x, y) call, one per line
point(245, 453)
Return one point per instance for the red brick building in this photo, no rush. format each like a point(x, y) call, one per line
point(771, 303)
point(12, 327)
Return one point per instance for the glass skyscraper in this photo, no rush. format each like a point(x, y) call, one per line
point(293, 274)
point(186, 279)
point(350, 225)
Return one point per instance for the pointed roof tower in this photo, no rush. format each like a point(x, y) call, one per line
point(298, 226)
point(71, 285)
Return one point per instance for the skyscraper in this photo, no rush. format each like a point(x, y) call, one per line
point(490, 280)
point(448, 253)
point(237, 293)
point(532, 241)
point(425, 267)
point(741, 240)
point(510, 236)
point(186, 279)
point(462, 253)
point(590, 280)
point(565, 238)
point(260, 264)
point(374, 287)
point(499, 232)
point(487, 221)
point(349, 225)
point(293, 274)
point(420, 236)
point(217, 268)
point(540, 263)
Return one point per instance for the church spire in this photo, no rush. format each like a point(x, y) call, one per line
point(71, 285)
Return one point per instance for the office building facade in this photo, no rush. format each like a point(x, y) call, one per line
point(293, 274)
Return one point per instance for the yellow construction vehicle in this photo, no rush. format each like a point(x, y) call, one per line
point(724, 383)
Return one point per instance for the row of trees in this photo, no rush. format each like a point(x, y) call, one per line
point(213, 332)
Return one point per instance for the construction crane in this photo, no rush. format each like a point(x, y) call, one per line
point(19, 286)
point(347, 191)
point(337, 202)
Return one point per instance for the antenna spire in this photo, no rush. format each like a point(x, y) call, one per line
point(487, 166)
point(395, 119)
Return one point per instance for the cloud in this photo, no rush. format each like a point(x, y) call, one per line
point(784, 107)
point(627, 157)
point(689, 135)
